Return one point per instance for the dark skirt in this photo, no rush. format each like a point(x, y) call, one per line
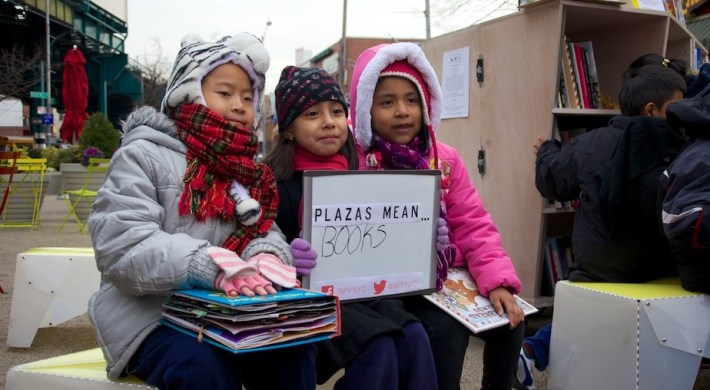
point(361, 322)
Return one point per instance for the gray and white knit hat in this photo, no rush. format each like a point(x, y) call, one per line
point(197, 58)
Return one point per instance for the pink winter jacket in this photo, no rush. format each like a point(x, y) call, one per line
point(477, 240)
point(476, 236)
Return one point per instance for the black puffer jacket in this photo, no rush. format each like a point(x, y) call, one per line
point(613, 171)
point(686, 186)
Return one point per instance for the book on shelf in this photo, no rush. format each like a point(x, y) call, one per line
point(569, 77)
point(562, 98)
point(590, 67)
point(246, 324)
point(558, 260)
point(566, 135)
point(582, 78)
point(460, 298)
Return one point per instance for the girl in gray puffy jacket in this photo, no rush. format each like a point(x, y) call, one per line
point(184, 205)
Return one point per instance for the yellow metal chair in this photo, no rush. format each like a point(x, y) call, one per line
point(25, 194)
point(8, 168)
point(74, 197)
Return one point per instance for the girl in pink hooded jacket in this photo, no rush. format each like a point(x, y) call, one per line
point(395, 106)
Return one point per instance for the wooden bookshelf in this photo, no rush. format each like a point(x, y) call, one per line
point(517, 102)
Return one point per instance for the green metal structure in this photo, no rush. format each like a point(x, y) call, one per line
point(115, 87)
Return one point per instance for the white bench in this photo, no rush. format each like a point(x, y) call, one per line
point(52, 285)
point(81, 370)
point(627, 336)
point(76, 371)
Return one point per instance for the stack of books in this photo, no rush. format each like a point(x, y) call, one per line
point(245, 324)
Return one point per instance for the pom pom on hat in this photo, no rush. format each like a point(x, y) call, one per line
point(197, 58)
point(301, 88)
point(247, 208)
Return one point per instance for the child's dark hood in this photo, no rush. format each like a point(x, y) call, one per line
point(691, 116)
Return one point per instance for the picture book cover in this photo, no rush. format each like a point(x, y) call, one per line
point(219, 298)
point(244, 324)
point(460, 298)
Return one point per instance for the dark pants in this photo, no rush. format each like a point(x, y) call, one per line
point(449, 341)
point(169, 359)
point(390, 362)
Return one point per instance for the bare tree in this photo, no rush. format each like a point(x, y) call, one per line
point(155, 68)
point(450, 15)
point(19, 72)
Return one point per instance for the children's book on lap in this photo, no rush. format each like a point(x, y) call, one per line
point(460, 298)
point(246, 324)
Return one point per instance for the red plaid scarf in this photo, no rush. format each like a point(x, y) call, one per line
point(217, 153)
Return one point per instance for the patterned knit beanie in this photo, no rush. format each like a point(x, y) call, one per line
point(301, 88)
point(197, 58)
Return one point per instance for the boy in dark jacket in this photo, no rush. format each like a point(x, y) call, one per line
point(613, 171)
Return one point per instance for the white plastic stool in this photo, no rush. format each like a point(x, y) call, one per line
point(627, 336)
point(52, 285)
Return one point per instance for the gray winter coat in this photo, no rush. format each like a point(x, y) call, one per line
point(144, 248)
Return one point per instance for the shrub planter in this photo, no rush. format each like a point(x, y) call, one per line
point(73, 178)
point(52, 183)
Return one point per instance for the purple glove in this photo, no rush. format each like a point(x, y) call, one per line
point(304, 258)
point(442, 235)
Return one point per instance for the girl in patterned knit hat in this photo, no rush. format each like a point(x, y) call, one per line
point(184, 205)
point(395, 107)
point(381, 346)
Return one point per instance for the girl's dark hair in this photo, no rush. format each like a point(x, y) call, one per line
point(679, 66)
point(648, 84)
point(280, 158)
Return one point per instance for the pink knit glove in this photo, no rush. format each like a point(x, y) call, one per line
point(304, 257)
point(273, 269)
point(236, 273)
point(442, 235)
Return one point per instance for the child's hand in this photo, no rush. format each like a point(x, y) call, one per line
point(504, 301)
point(537, 144)
point(245, 285)
point(273, 269)
point(238, 276)
point(304, 257)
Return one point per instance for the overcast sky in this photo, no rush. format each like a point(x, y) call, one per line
point(311, 24)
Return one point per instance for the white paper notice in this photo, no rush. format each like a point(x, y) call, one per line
point(454, 84)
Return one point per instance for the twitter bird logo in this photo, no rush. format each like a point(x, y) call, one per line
point(380, 286)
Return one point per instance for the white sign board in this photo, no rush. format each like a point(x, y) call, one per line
point(374, 231)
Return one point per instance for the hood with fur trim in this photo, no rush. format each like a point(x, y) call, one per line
point(147, 123)
point(366, 72)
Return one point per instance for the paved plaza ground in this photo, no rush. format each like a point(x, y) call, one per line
point(77, 334)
